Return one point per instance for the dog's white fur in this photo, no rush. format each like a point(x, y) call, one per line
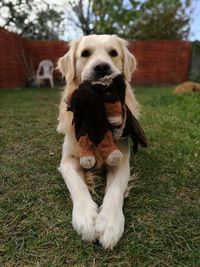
point(91, 222)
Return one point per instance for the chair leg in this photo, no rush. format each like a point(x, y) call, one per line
point(51, 82)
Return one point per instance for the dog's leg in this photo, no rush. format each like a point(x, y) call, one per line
point(85, 209)
point(110, 221)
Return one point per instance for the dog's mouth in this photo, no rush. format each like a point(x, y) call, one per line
point(94, 77)
point(106, 80)
point(103, 76)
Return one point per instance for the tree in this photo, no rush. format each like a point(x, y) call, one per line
point(37, 20)
point(81, 15)
point(114, 17)
point(148, 19)
point(102, 16)
point(162, 19)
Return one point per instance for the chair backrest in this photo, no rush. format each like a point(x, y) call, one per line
point(47, 67)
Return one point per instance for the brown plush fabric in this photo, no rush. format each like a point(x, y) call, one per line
point(113, 109)
point(107, 145)
point(86, 147)
point(134, 129)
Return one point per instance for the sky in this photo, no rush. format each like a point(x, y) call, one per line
point(195, 24)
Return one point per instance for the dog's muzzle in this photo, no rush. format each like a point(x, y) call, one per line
point(101, 69)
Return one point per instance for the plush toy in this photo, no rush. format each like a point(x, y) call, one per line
point(101, 117)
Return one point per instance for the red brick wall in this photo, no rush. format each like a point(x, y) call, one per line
point(159, 62)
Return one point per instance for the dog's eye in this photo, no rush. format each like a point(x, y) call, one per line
point(85, 53)
point(113, 53)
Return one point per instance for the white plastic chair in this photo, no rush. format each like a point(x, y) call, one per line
point(46, 69)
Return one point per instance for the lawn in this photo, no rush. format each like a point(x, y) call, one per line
point(163, 207)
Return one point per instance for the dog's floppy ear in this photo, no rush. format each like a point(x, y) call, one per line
point(129, 61)
point(66, 64)
point(129, 64)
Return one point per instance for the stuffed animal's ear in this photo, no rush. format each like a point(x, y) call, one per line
point(136, 131)
point(67, 63)
point(129, 61)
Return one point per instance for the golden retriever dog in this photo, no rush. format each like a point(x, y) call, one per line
point(187, 87)
point(89, 58)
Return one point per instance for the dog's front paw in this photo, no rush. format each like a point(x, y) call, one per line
point(114, 158)
point(109, 227)
point(87, 162)
point(83, 219)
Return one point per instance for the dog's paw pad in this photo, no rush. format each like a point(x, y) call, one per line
point(87, 162)
point(114, 158)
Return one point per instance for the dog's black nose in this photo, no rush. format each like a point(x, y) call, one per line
point(102, 69)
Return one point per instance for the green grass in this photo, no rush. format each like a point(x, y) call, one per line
point(163, 208)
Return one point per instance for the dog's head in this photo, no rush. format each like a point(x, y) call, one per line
point(94, 56)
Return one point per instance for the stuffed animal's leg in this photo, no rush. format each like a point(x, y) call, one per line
point(114, 100)
point(114, 113)
point(108, 150)
point(86, 152)
point(86, 147)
